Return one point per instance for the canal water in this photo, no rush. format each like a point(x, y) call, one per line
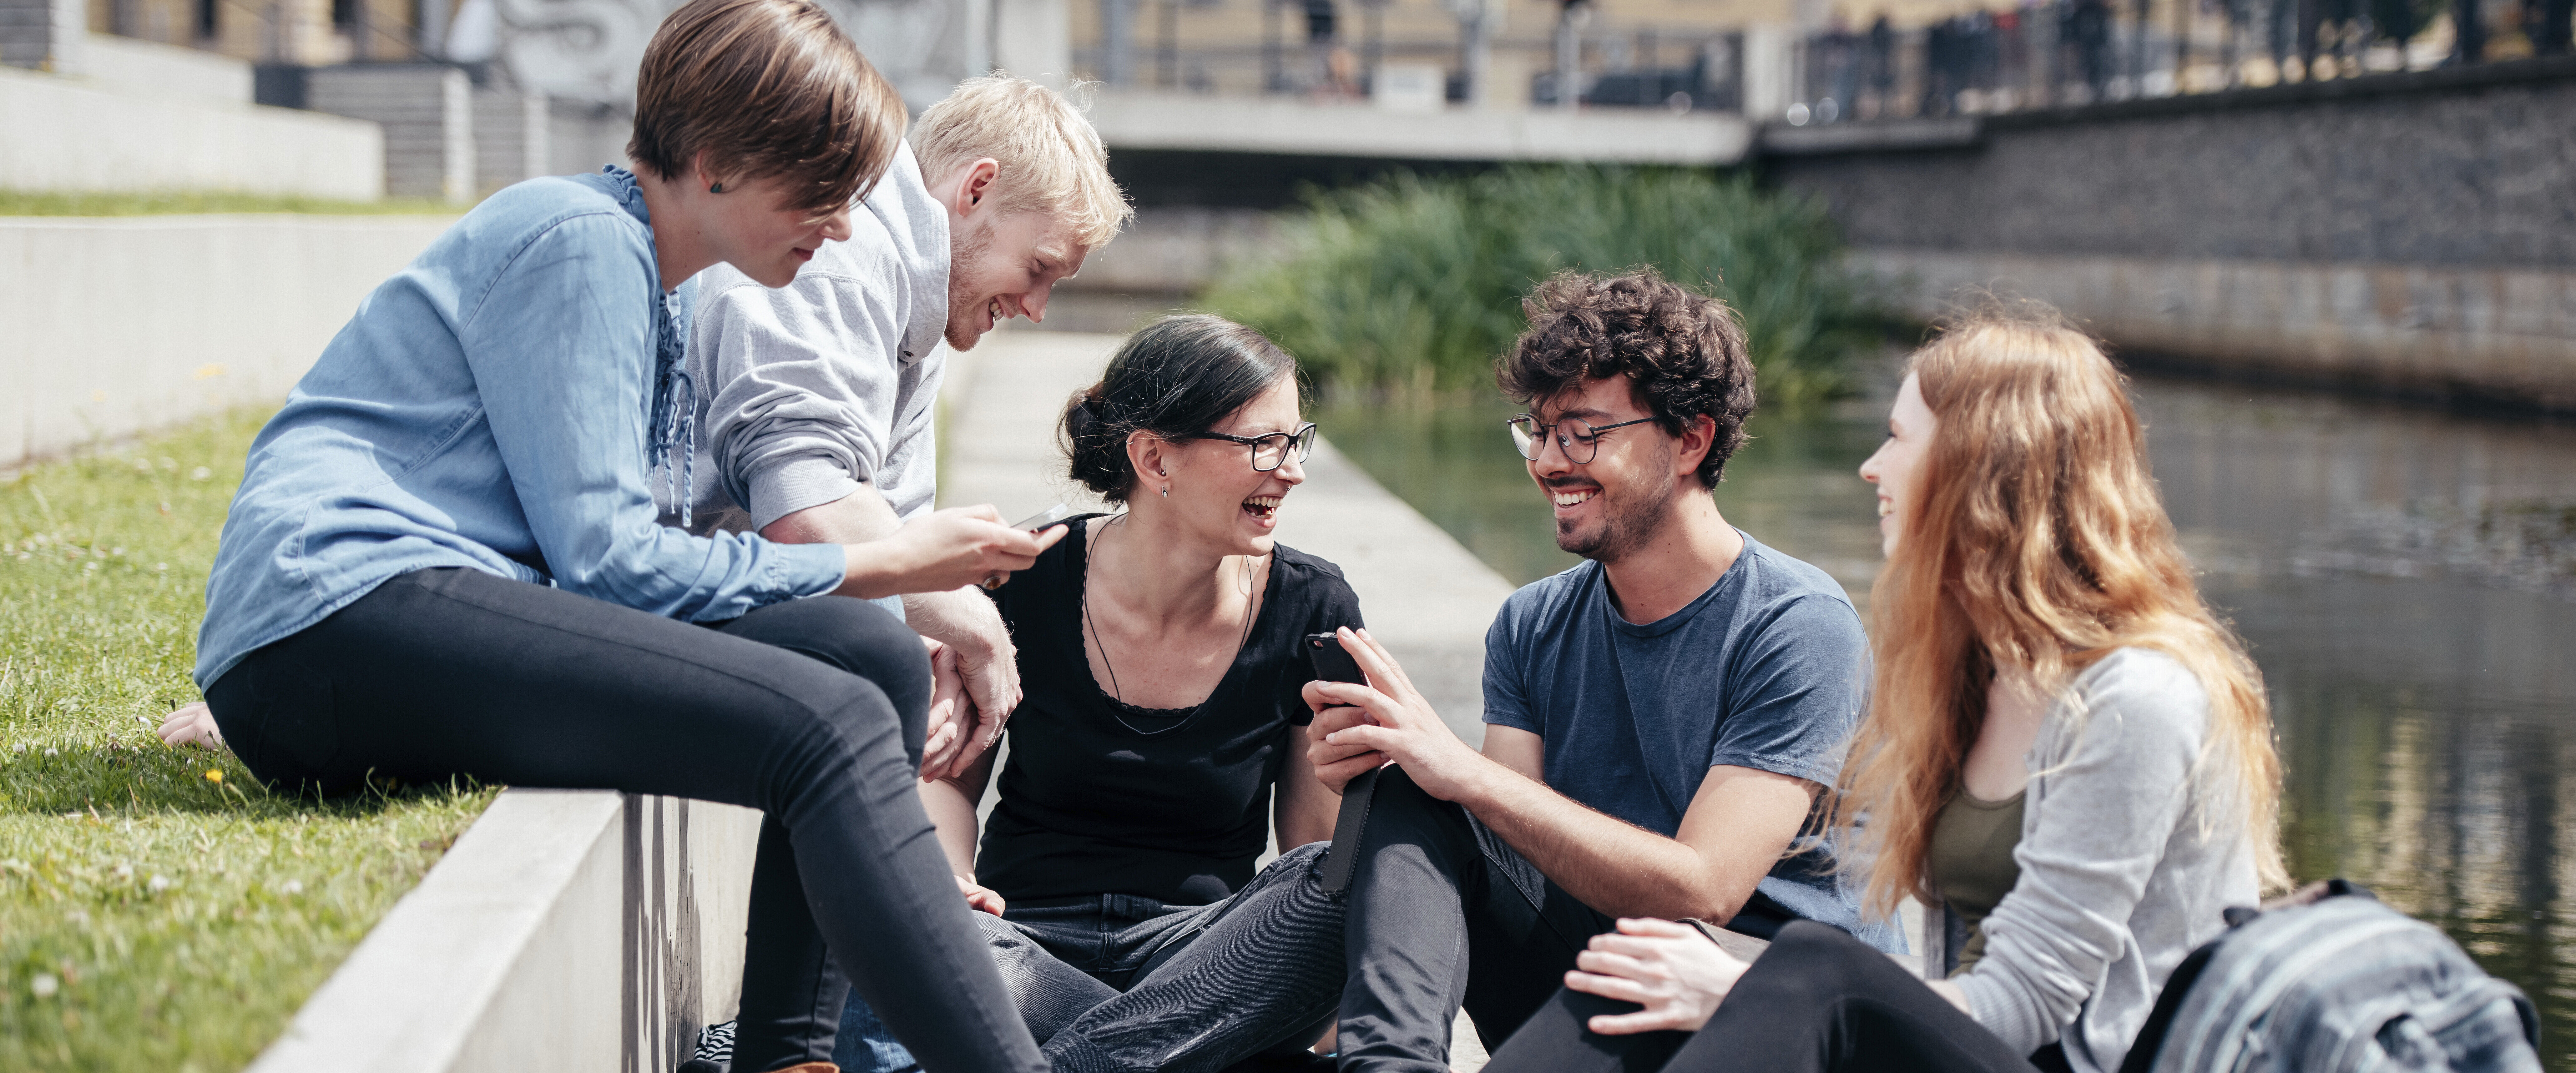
point(2405, 578)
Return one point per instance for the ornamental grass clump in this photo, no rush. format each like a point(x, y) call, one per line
point(1416, 283)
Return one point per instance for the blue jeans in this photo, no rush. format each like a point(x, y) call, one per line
point(1115, 982)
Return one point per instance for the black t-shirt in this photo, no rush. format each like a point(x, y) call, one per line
point(1100, 797)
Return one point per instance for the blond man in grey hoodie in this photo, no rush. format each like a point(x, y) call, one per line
point(815, 400)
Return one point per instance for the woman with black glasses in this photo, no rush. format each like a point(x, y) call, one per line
point(1159, 743)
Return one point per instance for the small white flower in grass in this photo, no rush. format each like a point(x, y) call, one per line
point(200, 473)
point(93, 566)
point(292, 886)
point(126, 871)
point(44, 985)
point(51, 751)
point(160, 883)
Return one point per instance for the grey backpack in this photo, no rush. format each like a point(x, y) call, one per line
point(2333, 981)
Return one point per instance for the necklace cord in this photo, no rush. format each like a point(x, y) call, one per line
point(1103, 645)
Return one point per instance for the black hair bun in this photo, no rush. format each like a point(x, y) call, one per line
point(1175, 377)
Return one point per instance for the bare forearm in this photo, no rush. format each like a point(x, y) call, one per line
point(1608, 864)
point(953, 813)
point(954, 617)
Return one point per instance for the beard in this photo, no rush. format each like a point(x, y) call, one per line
point(1630, 519)
point(965, 298)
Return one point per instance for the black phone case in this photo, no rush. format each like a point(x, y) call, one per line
point(1333, 663)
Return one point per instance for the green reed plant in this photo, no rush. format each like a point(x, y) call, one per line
point(1416, 283)
point(159, 910)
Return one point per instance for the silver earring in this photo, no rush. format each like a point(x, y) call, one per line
point(1167, 491)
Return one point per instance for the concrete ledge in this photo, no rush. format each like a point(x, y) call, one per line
point(60, 133)
point(567, 930)
point(1781, 139)
point(165, 70)
point(2490, 336)
point(116, 326)
point(1138, 120)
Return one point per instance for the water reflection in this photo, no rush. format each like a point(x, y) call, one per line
point(2406, 579)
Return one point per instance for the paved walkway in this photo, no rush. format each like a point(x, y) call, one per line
point(1425, 596)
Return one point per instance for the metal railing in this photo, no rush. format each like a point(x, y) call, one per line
point(2071, 52)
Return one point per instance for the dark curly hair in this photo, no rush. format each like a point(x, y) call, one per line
point(1682, 353)
point(1177, 376)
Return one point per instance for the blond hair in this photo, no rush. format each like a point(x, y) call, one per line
point(2038, 541)
point(1051, 160)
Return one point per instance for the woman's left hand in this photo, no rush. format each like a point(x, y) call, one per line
point(1675, 972)
point(951, 713)
point(192, 724)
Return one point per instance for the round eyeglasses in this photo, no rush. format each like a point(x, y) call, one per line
point(1268, 451)
point(1580, 440)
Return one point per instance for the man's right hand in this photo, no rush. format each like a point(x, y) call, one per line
point(1336, 765)
point(942, 550)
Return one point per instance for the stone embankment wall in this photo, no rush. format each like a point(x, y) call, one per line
point(2408, 233)
point(118, 326)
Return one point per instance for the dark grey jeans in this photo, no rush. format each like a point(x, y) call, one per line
point(1116, 982)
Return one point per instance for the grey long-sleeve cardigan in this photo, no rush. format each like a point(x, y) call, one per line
point(2131, 850)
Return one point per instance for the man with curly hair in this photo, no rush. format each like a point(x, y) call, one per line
point(1662, 720)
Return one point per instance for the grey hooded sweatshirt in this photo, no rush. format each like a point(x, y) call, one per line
point(807, 391)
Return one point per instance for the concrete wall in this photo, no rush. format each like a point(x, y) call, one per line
point(60, 133)
point(2469, 167)
point(119, 326)
point(43, 35)
point(428, 118)
point(165, 70)
point(2494, 336)
point(569, 931)
point(513, 138)
point(1175, 121)
point(2413, 234)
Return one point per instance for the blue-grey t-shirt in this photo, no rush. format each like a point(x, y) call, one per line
point(1768, 669)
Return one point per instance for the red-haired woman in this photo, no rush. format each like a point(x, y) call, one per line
point(2066, 754)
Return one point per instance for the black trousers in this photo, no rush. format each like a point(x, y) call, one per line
point(1818, 1000)
point(1442, 914)
point(811, 711)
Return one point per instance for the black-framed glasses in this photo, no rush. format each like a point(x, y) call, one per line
point(1579, 439)
point(1268, 451)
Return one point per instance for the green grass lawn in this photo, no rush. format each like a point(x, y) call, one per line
point(158, 909)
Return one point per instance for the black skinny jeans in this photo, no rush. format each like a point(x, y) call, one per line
point(811, 711)
point(1817, 1001)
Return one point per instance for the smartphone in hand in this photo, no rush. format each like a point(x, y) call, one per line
point(1044, 520)
point(1331, 661)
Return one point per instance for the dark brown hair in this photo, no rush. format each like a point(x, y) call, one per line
point(1681, 353)
point(767, 89)
point(1175, 377)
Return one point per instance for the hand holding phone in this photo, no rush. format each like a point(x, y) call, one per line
point(1036, 523)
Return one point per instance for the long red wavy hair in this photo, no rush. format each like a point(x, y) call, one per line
point(2038, 541)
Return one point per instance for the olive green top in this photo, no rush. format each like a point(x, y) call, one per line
point(1971, 860)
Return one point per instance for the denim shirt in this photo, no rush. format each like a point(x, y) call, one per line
point(491, 407)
